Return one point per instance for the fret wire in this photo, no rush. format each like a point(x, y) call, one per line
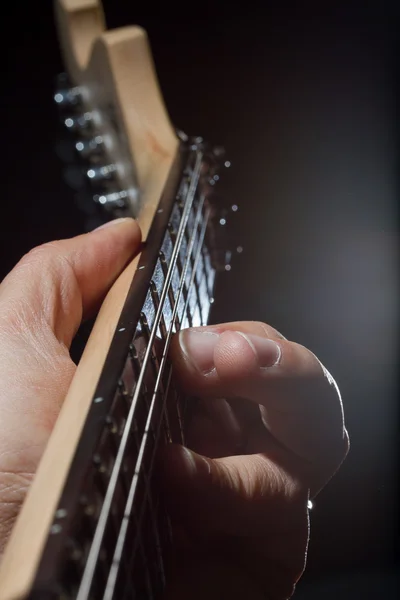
point(138, 542)
point(91, 563)
point(193, 282)
point(197, 291)
point(129, 503)
point(201, 240)
point(147, 492)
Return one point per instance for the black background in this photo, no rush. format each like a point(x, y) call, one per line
point(304, 98)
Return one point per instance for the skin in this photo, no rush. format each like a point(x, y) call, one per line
point(267, 431)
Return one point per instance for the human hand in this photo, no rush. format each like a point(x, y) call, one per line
point(267, 434)
point(42, 303)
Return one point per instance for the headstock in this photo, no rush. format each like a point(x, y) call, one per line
point(111, 104)
point(113, 112)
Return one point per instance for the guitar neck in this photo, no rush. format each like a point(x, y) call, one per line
point(134, 409)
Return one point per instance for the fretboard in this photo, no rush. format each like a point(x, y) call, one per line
point(110, 534)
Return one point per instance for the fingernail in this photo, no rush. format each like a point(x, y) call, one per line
point(198, 346)
point(267, 351)
point(113, 222)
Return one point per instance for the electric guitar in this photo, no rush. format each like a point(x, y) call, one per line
point(93, 525)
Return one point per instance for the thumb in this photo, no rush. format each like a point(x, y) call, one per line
point(235, 495)
point(58, 283)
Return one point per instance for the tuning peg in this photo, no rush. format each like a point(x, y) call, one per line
point(79, 123)
point(112, 200)
point(91, 147)
point(68, 98)
point(101, 173)
point(182, 135)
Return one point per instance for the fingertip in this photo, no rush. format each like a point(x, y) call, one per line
point(127, 227)
point(240, 355)
point(234, 356)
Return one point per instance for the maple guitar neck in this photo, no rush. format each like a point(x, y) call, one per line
point(93, 524)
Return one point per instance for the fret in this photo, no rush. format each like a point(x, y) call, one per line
point(149, 312)
point(190, 301)
point(169, 301)
point(175, 219)
point(204, 298)
point(159, 349)
point(202, 279)
point(195, 302)
point(155, 295)
point(209, 271)
point(195, 296)
point(178, 297)
point(184, 317)
point(166, 250)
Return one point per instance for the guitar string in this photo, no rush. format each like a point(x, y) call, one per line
point(160, 561)
point(130, 500)
point(95, 548)
point(192, 281)
point(199, 251)
point(164, 413)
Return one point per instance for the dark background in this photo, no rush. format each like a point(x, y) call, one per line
point(305, 100)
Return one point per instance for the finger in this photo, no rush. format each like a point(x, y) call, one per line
point(41, 305)
point(300, 401)
point(214, 433)
point(237, 495)
point(244, 509)
point(222, 414)
point(56, 284)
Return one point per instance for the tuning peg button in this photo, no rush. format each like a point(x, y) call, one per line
point(68, 97)
point(112, 200)
point(102, 173)
point(79, 123)
point(91, 147)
